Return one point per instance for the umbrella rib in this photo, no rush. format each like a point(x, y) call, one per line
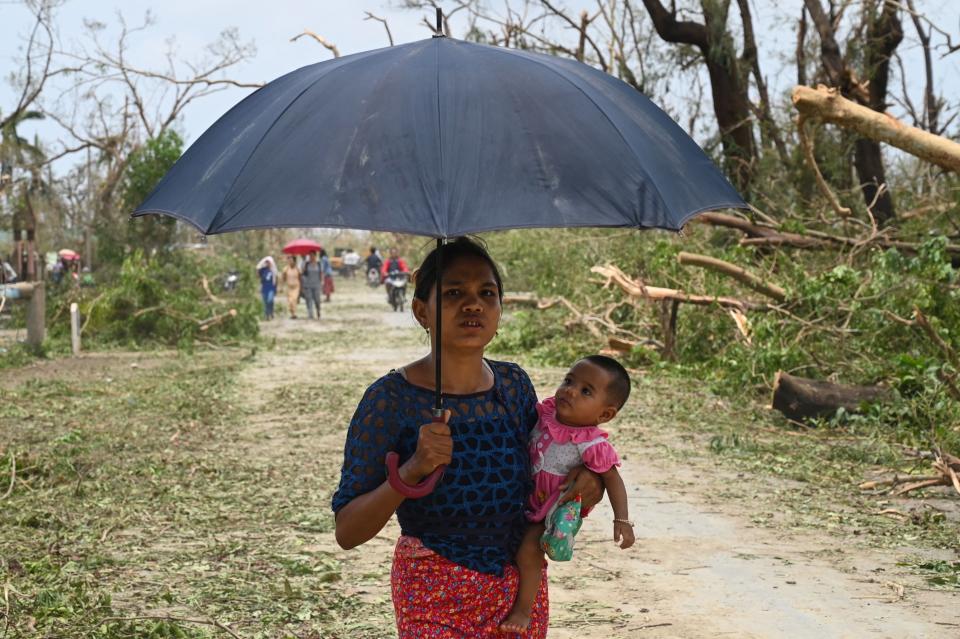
point(542, 63)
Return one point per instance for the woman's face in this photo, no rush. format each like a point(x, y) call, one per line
point(470, 304)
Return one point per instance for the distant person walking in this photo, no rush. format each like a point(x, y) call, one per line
point(290, 278)
point(351, 259)
point(267, 270)
point(327, 274)
point(311, 281)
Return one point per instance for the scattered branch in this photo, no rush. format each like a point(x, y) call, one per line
point(13, 476)
point(205, 622)
point(807, 145)
point(741, 275)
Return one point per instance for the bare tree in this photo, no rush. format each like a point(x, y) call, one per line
point(113, 105)
point(37, 68)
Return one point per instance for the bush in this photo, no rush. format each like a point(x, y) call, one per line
point(159, 301)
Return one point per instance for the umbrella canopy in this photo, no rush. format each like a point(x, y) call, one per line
point(301, 246)
point(68, 254)
point(442, 138)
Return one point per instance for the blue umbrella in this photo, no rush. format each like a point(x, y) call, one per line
point(442, 138)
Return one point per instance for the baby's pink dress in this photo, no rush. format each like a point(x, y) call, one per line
point(555, 449)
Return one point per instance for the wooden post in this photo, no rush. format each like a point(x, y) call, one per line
point(75, 327)
point(36, 315)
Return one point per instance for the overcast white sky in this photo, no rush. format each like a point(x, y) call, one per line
point(271, 24)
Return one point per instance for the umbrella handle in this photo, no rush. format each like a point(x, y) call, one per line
point(422, 489)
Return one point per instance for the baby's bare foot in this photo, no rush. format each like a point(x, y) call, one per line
point(516, 621)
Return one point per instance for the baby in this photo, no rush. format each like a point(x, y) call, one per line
point(566, 436)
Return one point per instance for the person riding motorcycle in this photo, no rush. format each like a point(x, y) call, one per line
point(393, 263)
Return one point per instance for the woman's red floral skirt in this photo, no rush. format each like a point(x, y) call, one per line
point(434, 598)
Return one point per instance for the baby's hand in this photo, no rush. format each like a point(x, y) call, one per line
point(624, 531)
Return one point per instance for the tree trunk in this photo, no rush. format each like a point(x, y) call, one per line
point(799, 398)
point(731, 102)
point(884, 33)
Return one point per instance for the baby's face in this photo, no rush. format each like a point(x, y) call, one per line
point(582, 396)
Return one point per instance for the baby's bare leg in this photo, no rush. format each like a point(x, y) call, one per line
point(530, 564)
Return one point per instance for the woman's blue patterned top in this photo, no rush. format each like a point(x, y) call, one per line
point(475, 515)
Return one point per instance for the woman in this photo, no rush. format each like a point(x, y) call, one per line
point(327, 274)
point(290, 278)
point(453, 573)
point(267, 270)
point(311, 280)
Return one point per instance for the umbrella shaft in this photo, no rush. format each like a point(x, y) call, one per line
point(438, 399)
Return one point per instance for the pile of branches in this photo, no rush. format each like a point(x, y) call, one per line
point(945, 472)
point(165, 301)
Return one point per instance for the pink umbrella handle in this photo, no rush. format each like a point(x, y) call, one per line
point(414, 492)
point(426, 486)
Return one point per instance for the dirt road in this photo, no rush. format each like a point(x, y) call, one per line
point(701, 568)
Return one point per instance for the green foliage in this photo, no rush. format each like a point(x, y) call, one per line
point(153, 233)
point(154, 301)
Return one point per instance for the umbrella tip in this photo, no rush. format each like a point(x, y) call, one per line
point(438, 32)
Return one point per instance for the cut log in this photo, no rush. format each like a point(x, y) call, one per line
point(828, 105)
point(732, 270)
point(799, 398)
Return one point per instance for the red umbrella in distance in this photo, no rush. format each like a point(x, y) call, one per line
point(301, 246)
point(69, 255)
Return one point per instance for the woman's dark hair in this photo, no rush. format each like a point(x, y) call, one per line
point(425, 277)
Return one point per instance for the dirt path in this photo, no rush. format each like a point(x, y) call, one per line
point(701, 568)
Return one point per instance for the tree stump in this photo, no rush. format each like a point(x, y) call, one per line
point(799, 398)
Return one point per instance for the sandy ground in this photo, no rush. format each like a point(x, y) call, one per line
point(700, 567)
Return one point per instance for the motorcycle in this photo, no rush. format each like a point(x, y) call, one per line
point(396, 284)
point(373, 277)
point(231, 280)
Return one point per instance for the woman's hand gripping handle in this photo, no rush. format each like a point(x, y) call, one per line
point(434, 452)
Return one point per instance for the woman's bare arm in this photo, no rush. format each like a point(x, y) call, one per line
point(361, 519)
point(366, 515)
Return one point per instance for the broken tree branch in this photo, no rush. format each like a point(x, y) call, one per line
point(807, 145)
point(828, 105)
point(741, 275)
point(634, 288)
